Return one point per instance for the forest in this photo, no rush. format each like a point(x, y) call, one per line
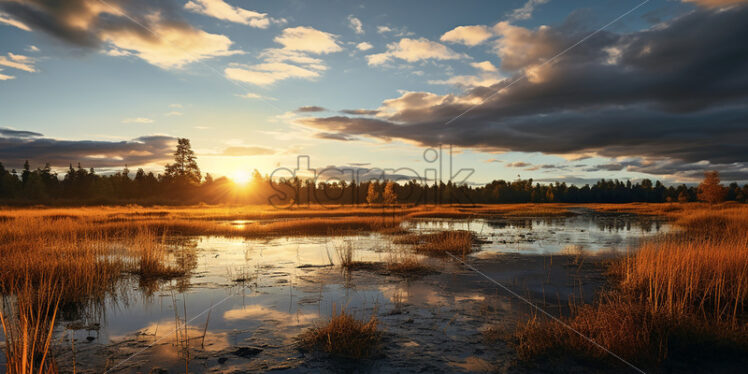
point(182, 182)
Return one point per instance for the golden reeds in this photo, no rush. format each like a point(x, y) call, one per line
point(343, 336)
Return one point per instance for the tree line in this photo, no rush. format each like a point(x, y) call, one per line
point(183, 183)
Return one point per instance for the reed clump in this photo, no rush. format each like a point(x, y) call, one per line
point(28, 319)
point(679, 295)
point(440, 243)
point(407, 265)
point(343, 336)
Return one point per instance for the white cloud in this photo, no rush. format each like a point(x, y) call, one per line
point(141, 120)
point(468, 35)
point(355, 24)
point(364, 46)
point(412, 50)
point(383, 29)
point(486, 66)
point(525, 12)
point(32, 48)
point(221, 10)
point(715, 3)
point(19, 62)
point(308, 39)
point(174, 47)
point(174, 113)
point(254, 96)
point(483, 80)
point(268, 73)
point(4, 77)
point(5, 19)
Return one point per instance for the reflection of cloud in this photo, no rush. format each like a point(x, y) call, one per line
point(261, 313)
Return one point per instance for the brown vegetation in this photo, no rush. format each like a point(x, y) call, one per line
point(440, 243)
point(343, 336)
point(679, 295)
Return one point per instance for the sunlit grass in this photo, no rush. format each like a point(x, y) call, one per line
point(679, 295)
point(343, 336)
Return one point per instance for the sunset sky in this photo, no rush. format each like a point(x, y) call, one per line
point(659, 93)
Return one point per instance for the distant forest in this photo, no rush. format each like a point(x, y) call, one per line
point(183, 183)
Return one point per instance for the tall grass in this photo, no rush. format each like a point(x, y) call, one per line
point(28, 319)
point(679, 295)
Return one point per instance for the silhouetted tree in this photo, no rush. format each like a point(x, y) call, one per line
point(184, 169)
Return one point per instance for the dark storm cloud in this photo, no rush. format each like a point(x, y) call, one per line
point(79, 22)
point(90, 153)
point(18, 133)
point(675, 91)
point(310, 109)
point(360, 112)
point(333, 136)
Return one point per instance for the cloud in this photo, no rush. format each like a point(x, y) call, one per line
point(19, 62)
point(332, 136)
point(4, 131)
point(174, 113)
point(308, 39)
point(252, 95)
point(174, 47)
point(517, 164)
point(412, 50)
point(310, 109)
point(716, 3)
point(242, 151)
point(221, 10)
point(355, 24)
point(291, 61)
point(364, 46)
point(4, 19)
point(4, 77)
point(676, 92)
point(486, 66)
point(525, 12)
point(383, 29)
point(268, 73)
point(21, 146)
point(360, 112)
point(468, 35)
point(150, 30)
point(141, 120)
point(32, 48)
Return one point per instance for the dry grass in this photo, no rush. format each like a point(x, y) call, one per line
point(407, 265)
point(343, 336)
point(680, 295)
point(28, 320)
point(439, 243)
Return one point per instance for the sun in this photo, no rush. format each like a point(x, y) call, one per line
point(240, 177)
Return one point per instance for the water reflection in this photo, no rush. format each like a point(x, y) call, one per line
point(262, 293)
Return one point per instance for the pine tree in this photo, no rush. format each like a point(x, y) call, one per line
point(184, 168)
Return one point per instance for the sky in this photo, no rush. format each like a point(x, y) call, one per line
point(569, 91)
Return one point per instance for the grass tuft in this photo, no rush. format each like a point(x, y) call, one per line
point(343, 336)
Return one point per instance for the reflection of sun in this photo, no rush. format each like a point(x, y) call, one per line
point(240, 177)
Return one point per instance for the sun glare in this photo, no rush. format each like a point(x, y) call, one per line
point(240, 177)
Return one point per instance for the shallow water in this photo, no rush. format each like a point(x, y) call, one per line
point(247, 300)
